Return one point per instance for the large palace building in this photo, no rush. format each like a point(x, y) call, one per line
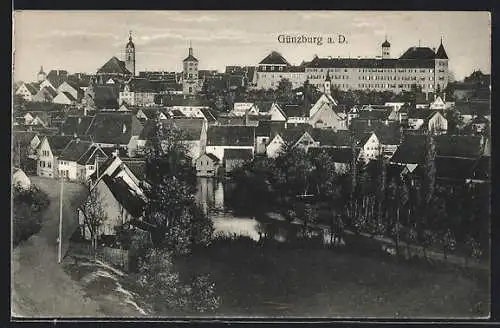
point(421, 66)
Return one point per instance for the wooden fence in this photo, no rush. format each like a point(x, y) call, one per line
point(115, 257)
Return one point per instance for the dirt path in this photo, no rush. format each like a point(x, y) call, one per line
point(40, 287)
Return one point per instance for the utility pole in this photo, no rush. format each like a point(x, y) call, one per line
point(60, 221)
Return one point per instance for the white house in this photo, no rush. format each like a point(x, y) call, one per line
point(20, 179)
point(275, 146)
point(78, 160)
point(438, 104)
point(73, 88)
point(28, 90)
point(115, 167)
point(325, 99)
point(229, 137)
point(241, 109)
point(370, 147)
point(324, 115)
point(47, 153)
point(276, 113)
point(428, 120)
point(289, 139)
point(121, 205)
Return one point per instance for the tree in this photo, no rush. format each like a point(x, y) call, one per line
point(164, 289)
point(449, 242)
point(425, 225)
point(309, 217)
point(94, 215)
point(27, 205)
point(171, 206)
point(284, 91)
point(455, 121)
point(397, 194)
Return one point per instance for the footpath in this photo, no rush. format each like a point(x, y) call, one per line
point(40, 287)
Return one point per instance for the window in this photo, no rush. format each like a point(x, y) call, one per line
point(49, 165)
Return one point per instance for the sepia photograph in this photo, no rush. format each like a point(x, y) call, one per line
point(251, 164)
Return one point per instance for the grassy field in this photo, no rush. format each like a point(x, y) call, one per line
point(278, 281)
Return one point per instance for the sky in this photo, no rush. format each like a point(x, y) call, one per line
point(82, 41)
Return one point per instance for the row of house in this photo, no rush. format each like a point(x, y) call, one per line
point(68, 92)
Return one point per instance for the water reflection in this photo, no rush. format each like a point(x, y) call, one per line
point(211, 196)
point(231, 214)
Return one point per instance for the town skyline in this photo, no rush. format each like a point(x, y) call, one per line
point(84, 41)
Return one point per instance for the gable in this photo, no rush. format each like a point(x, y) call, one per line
point(44, 145)
point(322, 101)
point(372, 140)
point(277, 140)
point(276, 113)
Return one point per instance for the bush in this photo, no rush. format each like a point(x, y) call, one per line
point(27, 205)
point(165, 290)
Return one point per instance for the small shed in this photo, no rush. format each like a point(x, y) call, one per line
point(207, 165)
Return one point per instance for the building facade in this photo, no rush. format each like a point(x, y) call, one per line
point(190, 83)
point(274, 68)
point(420, 66)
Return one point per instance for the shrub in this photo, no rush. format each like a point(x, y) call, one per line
point(164, 288)
point(27, 205)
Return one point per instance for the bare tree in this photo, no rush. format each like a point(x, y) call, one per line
point(93, 213)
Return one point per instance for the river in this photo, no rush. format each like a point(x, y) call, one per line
point(212, 195)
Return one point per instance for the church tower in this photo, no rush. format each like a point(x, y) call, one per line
point(41, 76)
point(327, 84)
point(440, 69)
point(386, 49)
point(130, 55)
point(190, 74)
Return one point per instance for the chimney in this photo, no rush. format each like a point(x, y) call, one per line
point(84, 111)
point(444, 96)
point(79, 120)
point(124, 129)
